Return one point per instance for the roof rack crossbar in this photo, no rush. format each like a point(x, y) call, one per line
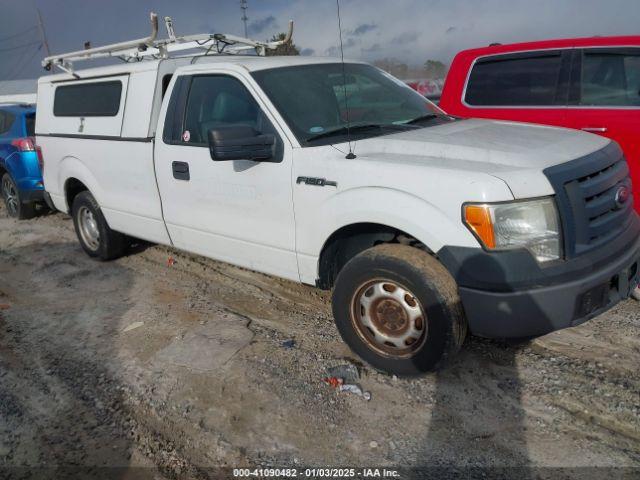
point(90, 52)
point(135, 50)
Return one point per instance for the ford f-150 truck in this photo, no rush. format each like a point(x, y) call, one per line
point(338, 175)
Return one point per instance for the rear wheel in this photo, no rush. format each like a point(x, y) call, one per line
point(398, 308)
point(12, 200)
point(94, 234)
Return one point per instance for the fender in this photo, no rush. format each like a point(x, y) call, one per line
point(392, 208)
point(72, 167)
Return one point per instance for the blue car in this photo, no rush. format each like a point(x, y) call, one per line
point(20, 161)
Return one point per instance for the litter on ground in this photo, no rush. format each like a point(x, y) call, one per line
point(355, 389)
point(133, 326)
point(348, 372)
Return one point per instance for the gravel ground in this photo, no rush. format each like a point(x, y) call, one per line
point(144, 368)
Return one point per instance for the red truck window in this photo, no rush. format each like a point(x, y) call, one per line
point(515, 80)
point(611, 78)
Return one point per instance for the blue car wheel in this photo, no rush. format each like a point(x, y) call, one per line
point(12, 200)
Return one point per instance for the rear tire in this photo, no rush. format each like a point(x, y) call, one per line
point(94, 234)
point(13, 201)
point(398, 308)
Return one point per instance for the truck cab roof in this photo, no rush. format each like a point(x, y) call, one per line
point(249, 62)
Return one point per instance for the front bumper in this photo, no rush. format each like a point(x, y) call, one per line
point(535, 303)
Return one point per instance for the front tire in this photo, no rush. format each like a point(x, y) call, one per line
point(94, 234)
point(12, 200)
point(398, 308)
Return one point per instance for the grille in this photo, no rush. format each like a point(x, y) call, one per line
point(586, 191)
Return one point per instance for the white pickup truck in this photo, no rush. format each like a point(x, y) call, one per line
point(340, 176)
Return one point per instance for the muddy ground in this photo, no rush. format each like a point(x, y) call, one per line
point(172, 371)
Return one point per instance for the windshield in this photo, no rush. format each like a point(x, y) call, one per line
point(312, 100)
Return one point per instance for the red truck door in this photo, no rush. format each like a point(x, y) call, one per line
point(605, 99)
point(524, 87)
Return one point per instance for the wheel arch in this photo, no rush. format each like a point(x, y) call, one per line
point(73, 176)
point(72, 187)
point(352, 239)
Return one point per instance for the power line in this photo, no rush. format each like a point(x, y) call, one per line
point(18, 34)
point(20, 66)
point(43, 34)
point(24, 45)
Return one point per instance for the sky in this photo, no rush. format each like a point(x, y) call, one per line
point(410, 31)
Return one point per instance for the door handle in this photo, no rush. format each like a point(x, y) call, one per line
point(180, 171)
point(594, 129)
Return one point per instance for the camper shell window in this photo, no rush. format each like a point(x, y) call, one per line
point(99, 99)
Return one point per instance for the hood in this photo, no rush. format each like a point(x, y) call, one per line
point(516, 153)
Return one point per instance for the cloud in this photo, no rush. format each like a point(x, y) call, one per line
point(364, 28)
point(404, 38)
point(258, 26)
point(407, 30)
point(376, 47)
point(334, 51)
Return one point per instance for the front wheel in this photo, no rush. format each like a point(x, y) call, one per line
point(94, 234)
point(12, 200)
point(398, 308)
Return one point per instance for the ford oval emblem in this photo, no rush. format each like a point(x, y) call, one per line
point(622, 195)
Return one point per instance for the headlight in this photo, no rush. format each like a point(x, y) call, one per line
point(532, 224)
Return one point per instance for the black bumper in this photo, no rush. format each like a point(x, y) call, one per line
point(508, 295)
point(30, 196)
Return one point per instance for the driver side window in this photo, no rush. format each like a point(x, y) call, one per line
point(220, 101)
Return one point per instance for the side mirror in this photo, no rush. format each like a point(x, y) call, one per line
point(240, 143)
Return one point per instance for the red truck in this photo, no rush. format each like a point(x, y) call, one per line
point(590, 84)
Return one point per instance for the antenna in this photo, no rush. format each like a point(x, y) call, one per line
point(350, 155)
point(244, 6)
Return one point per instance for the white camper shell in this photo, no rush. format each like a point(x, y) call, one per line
point(335, 174)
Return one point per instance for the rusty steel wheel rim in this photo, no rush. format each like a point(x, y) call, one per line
point(389, 318)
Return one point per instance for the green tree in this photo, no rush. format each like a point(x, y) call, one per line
point(288, 48)
point(435, 69)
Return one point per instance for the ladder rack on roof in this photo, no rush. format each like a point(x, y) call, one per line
point(151, 48)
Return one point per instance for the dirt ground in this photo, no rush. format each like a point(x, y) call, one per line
point(173, 371)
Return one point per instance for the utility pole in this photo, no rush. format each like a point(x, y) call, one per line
point(42, 33)
point(244, 6)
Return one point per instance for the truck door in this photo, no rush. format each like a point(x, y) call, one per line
point(238, 211)
point(605, 100)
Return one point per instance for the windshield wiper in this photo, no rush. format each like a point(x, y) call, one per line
point(343, 131)
point(421, 118)
point(355, 129)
